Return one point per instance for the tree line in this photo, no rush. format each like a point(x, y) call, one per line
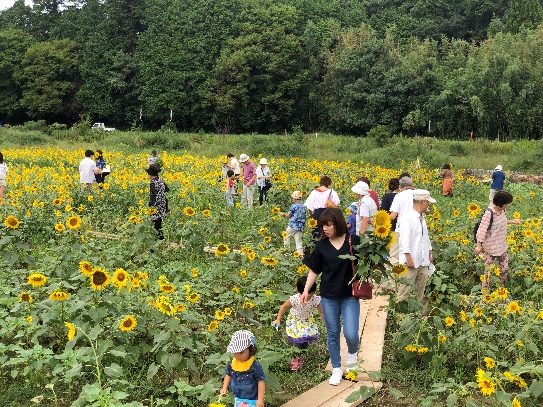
point(448, 69)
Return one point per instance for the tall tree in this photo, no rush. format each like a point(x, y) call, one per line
point(261, 74)
point(523, 13)
point(177, 57)
point(13, 46)
point(49, 79)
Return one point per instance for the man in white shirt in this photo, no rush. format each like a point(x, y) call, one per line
point(233, 164)
point(87, 169)
point(400, 207)
point(415, 247)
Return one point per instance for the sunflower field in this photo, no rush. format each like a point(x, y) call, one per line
point(97, 312)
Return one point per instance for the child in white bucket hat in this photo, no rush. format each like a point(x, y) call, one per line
point(244, 374)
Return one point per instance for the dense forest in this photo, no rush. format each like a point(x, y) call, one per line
point(444, 68)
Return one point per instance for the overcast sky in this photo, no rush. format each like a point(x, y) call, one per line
point(4, 4)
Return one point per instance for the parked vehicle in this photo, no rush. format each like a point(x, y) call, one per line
point(101, 127)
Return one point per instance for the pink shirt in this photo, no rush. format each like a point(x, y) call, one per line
point(249, 171)
point(494, 238)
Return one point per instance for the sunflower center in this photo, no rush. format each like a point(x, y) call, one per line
point(99, 278)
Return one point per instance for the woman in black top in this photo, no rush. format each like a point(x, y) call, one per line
point(394, 187)
point(337, 301)
point(157, 199)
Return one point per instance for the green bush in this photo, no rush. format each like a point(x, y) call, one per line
point(39, 125)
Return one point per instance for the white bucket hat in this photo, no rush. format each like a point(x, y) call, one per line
point(243, 158)
point(361, 188)
point(498, 168)
point(240, 341)
point(263, 161)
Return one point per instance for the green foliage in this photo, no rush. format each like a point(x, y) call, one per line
point(527, 14)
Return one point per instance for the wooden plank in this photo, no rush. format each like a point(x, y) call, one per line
point(373, 339)
point(339, 400)
point(320, 394)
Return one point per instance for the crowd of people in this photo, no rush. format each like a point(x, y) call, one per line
point(334, 236)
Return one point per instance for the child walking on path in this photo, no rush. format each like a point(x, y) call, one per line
point(230, 188)
point(301, 326)
point(244, 374)
point(296, 223)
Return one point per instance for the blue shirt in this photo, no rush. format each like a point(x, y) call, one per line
point(244, 385)
point(498, 177)
point(351, 220)
point(297, 214)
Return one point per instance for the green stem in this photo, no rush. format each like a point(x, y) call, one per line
point(95, 358)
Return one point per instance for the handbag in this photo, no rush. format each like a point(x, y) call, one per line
point(330, 203)
point(268, 184)
point(106, 169)
point(362, 290)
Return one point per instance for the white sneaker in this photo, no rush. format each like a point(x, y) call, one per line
point(337, 374)
point(352, 362)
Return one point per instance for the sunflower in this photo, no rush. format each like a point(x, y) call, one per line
point(262, 231)
point(399, 269)
point(68, 208)
point(248, 304)
point(516, 403)
point(167, 288)
point(381, 231)
point(502, 292)
point(478, 311)
point(193, 297)
point(449, 321)
point(163, 305)
point(194, 273)
point(514, 307)
point(212, 326)
point(71, 330)
point(485, 384)
point(267, 239)
point(25, 297)
point(441, 338)
point(120, 278)
point(29, 319)
point(151, 211)
point(189, 211)
point(235, 289)
point(382, 218)
point(85, 268)
point(296, 254)
point(490, 363)
point(221, 249)
point(284, 234)
point(516, 215)
point(275, 210)
point(99, 278)
point(58, 296)
point(128, 323)
point(12, 222)
point(219, 315)
point(463, 316)
point(243, 273)
point(474, 208)
point(180, 308)
point(456, 213)
point(206, 212)
point(228, 311)
point(36, 279)
point(312, 223)
point(269, 261)
point(57, 201)
point(302, 269)
point(251, 255)
point(90, 198)
point(135, 282)
point(73, 222)
point(59, 227)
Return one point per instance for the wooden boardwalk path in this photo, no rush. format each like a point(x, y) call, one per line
point(373, 319)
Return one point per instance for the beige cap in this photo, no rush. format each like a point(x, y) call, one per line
point(422, 195)
point(243, 158)
point(263, 161)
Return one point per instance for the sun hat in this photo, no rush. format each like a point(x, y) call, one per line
point(422, 195)
point(353, 207)
point(153, 170)
point(361, 188)
point(240, 341)
point(243, 158)
point(498, 168)
point(263, 161)
point(296, 195)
